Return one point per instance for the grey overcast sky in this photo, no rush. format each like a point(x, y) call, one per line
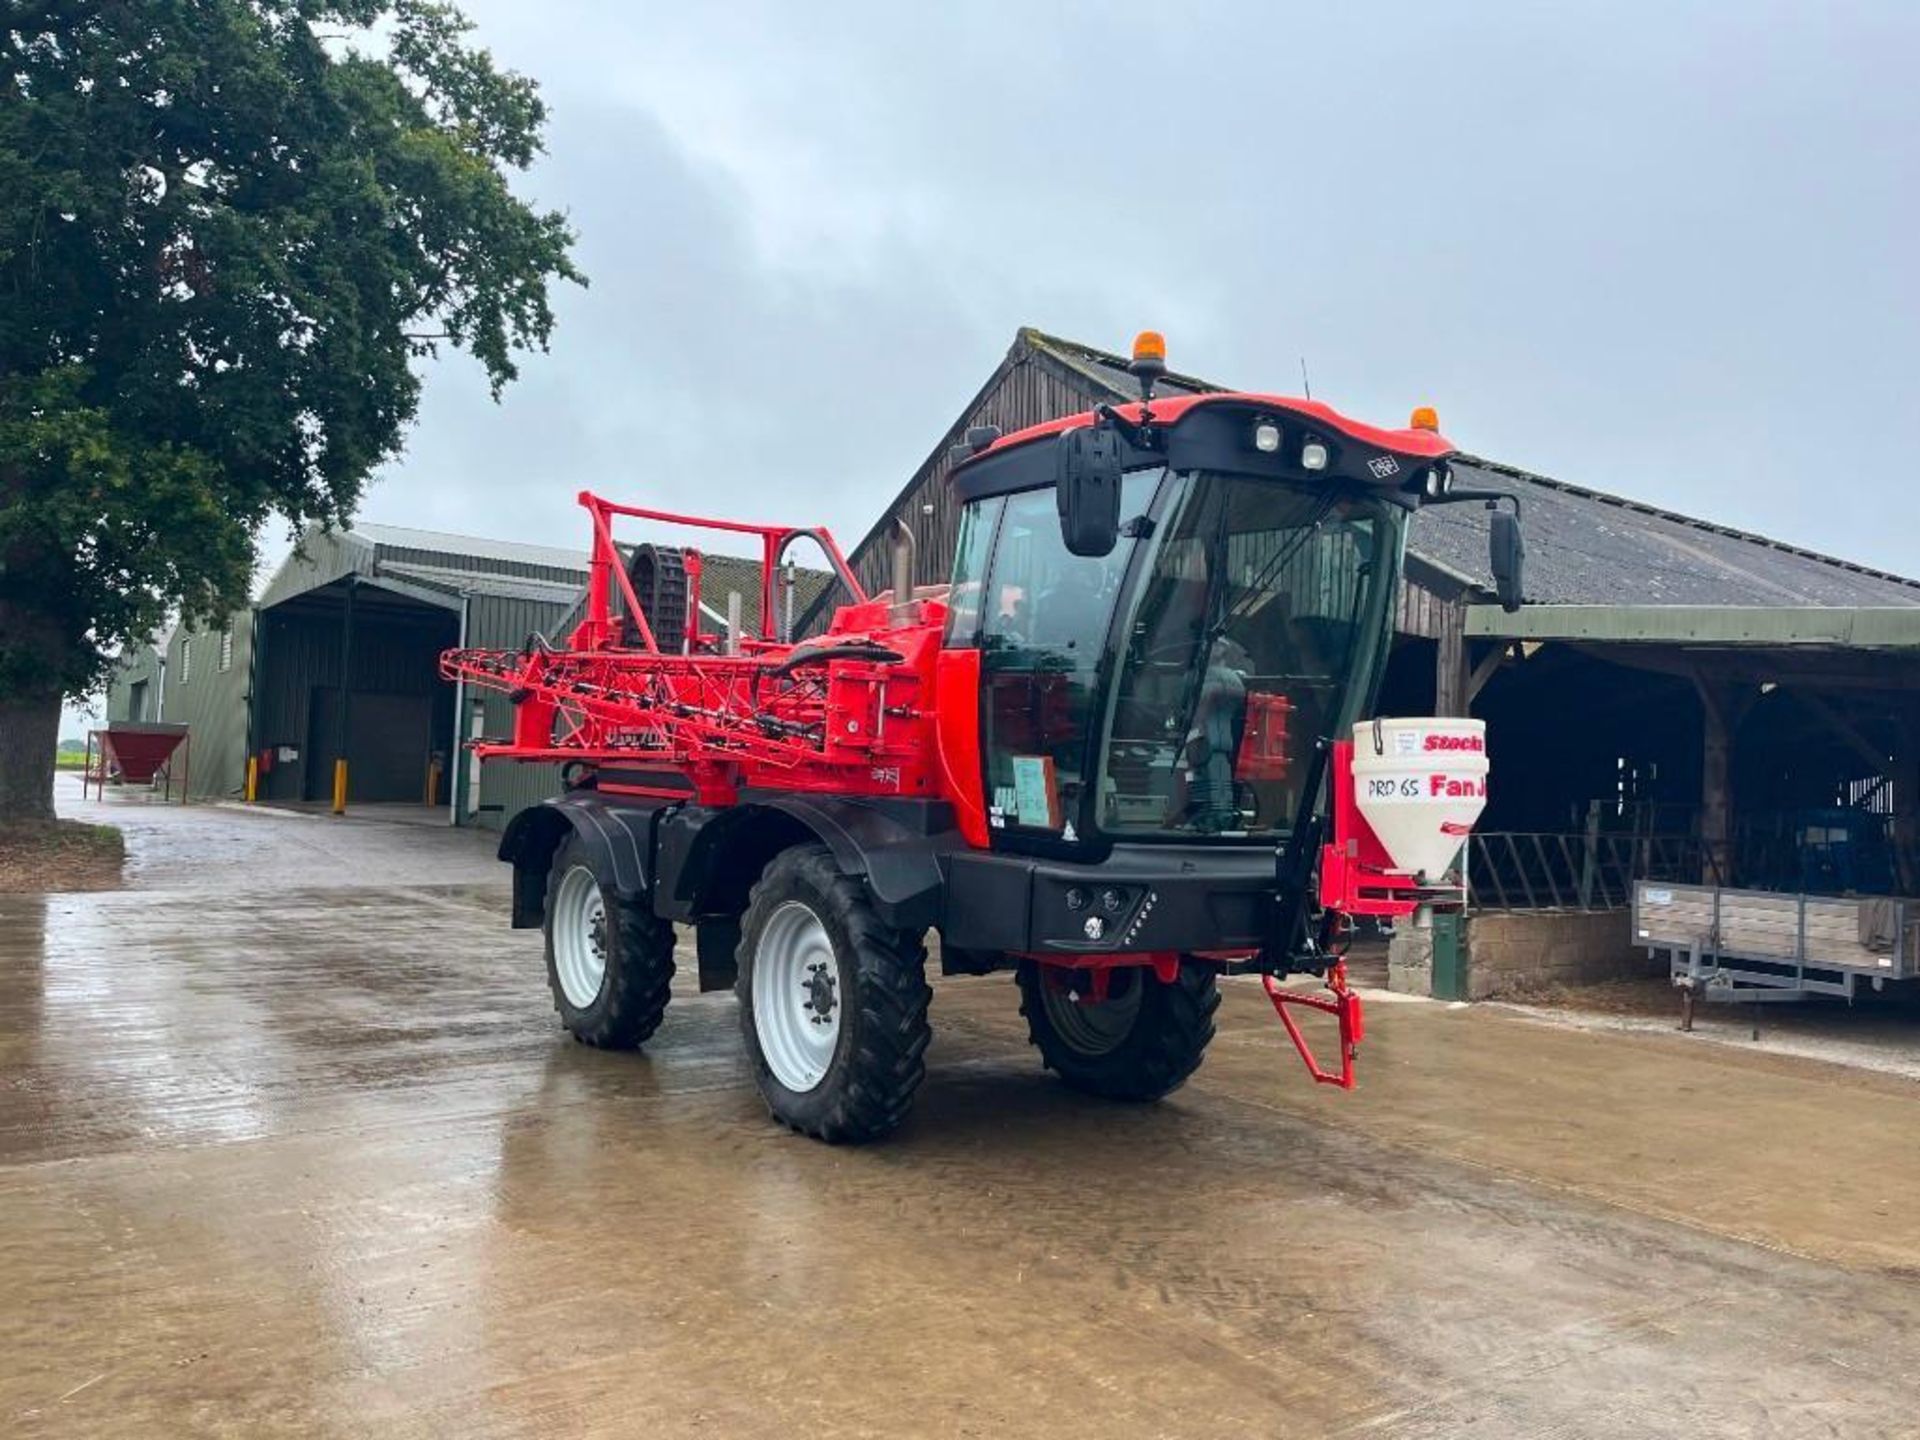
point(1664, 250)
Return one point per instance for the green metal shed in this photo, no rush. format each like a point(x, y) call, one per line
point(377, 603)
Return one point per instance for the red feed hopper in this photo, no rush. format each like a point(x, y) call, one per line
point(135, 754)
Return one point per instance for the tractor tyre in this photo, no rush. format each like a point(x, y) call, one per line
point(833, 1003)
point(1140, 1043)
point(609, 957)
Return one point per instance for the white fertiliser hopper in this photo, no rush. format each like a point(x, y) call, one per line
point(1421, 783)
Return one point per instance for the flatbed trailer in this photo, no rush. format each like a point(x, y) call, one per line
point(1731, 945)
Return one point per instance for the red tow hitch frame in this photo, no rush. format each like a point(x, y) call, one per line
point(1343, 1005)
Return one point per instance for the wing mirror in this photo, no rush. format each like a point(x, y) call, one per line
point(1507, 557)
point(1087, 489)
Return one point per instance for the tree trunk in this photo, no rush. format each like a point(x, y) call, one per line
point(29, 736)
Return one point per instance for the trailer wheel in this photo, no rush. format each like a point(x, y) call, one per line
point(1140, 1043)
point(833, 1003)
point(609, 959)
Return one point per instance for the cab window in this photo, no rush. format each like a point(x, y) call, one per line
point(1043, 628)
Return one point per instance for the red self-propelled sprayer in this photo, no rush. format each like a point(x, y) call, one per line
point(1104, 756)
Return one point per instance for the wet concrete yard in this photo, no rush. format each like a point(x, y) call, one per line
point(311, 1156)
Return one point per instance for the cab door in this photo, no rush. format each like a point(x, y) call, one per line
point(1041, 616)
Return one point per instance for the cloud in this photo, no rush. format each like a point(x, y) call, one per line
point(1662, 253)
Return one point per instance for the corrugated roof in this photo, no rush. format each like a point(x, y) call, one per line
point(1584, 546)
point(479, 582)
point(401, 554)
point(475, 547)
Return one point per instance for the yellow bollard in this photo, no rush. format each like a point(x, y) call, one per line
point(340, 787)
point(253, 778)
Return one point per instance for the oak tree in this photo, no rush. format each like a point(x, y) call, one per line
point(231, 231)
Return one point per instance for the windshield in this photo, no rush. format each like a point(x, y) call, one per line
point(1255, 608)
point(1173, 688)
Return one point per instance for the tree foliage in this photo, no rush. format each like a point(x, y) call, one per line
point(228, 230)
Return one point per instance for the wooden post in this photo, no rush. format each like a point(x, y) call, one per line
point(1716, 784)
point(1452, 675)
point(1906, 803)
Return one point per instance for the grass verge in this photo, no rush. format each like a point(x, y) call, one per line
point(37, 857)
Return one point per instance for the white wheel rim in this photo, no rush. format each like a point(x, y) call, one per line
point(580, 937)
point(1087, 1028)
point(796, 997)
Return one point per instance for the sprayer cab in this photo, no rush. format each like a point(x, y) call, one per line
point(1173, 603)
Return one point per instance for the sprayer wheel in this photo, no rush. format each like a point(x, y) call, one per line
point(1141, 1043)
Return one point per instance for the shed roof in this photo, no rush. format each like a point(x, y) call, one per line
point(471, 547)
point(455, 582)
point(428, 565)
point(1584, 546)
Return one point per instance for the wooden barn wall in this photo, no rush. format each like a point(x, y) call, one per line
point(1418, 611)
point(1026, 395)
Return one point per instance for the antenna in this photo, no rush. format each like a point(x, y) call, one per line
point(1305, 383)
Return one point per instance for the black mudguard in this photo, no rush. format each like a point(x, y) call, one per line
point(619, 835)
point(709, 858)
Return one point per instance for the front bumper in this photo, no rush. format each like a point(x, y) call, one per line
point(1144, 898)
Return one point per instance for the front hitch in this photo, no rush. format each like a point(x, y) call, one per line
point(1343, 1005)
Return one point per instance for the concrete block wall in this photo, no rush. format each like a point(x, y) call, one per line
point(1530, 950)
point(1526, 951)
point(1410, 961)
